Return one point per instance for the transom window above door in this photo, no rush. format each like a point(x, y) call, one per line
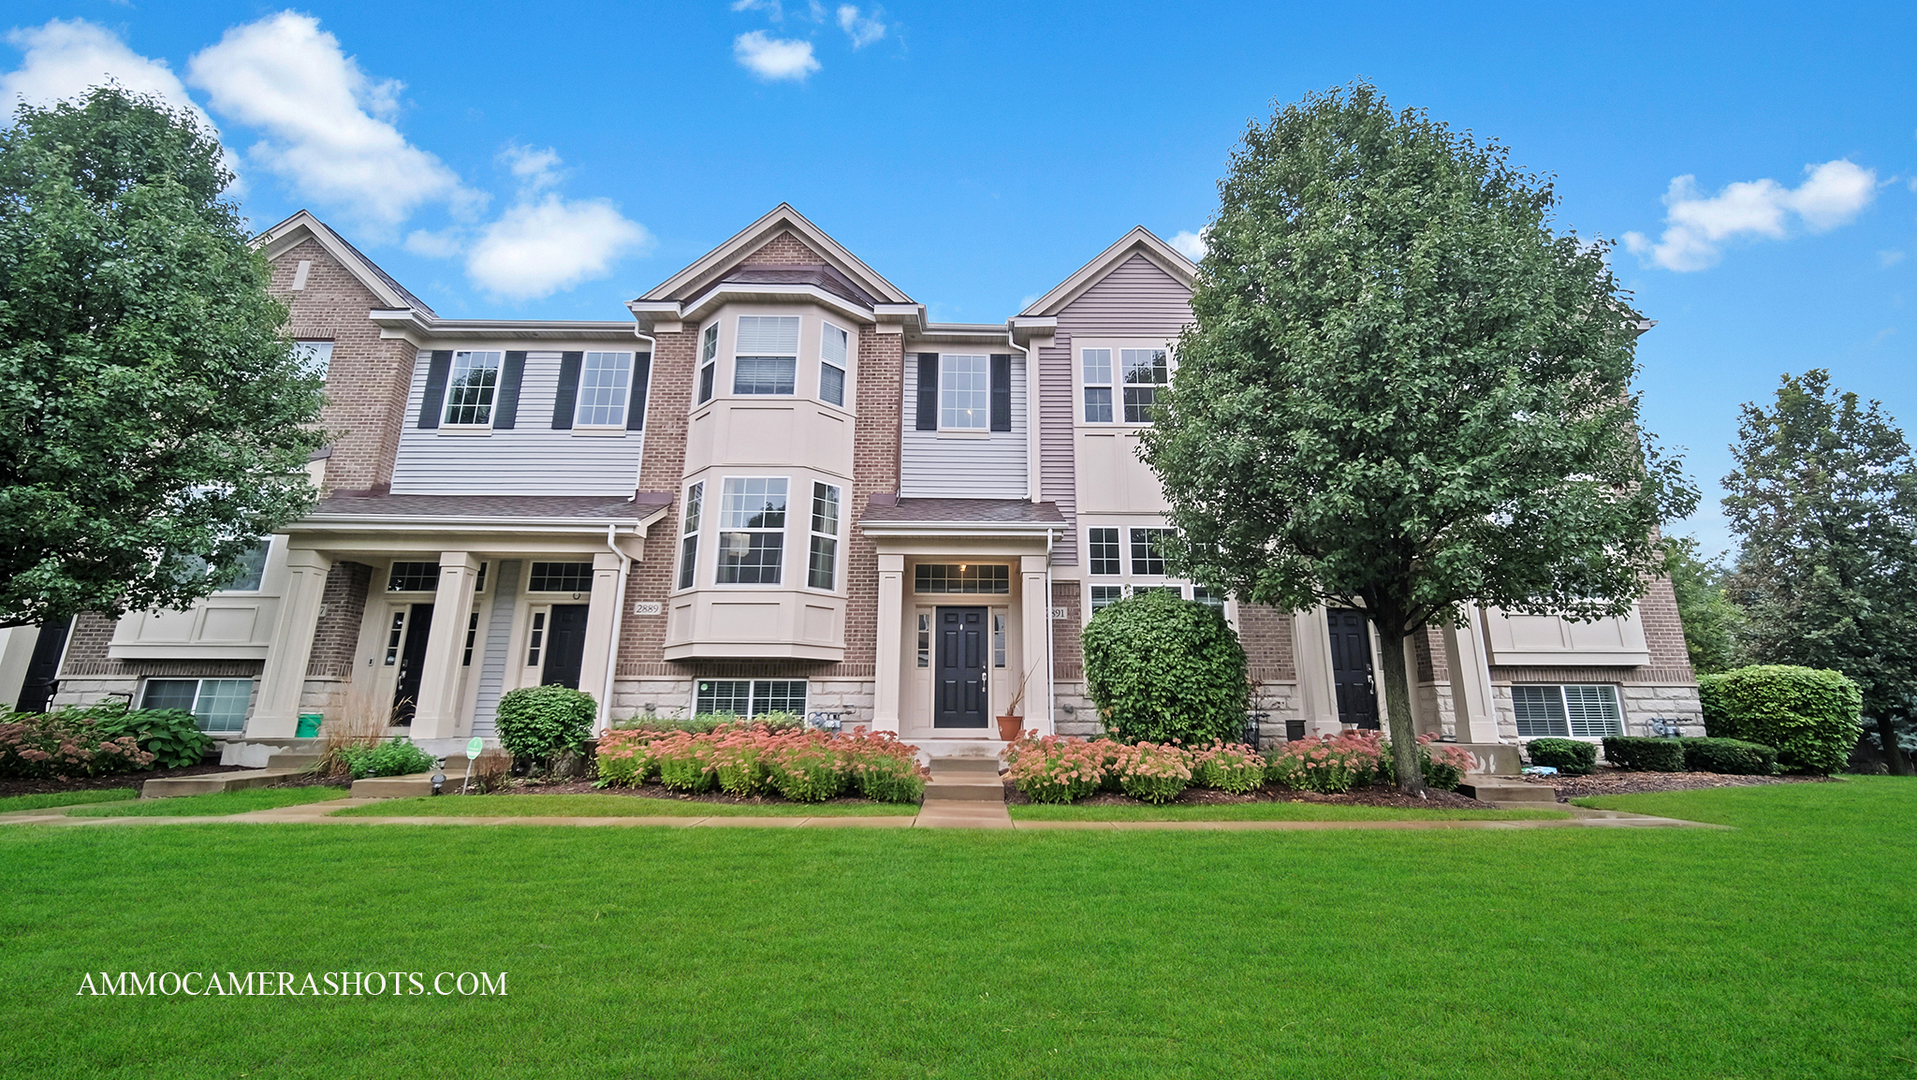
point(766, 356)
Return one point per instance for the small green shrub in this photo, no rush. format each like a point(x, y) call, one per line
point(891, 779)
point(1152, 772)
point(1812, 717)
point(1234, 768)
point(1161, 668)
point(172, 736)
point(706, 723)
point(1328, 765)
point(1731, 756)
point(1644, 755)
point(1444, 764)
point(1059, 769)
point(538, 723)
point(1567, 756)
point(807, 773)
point(64, 744)
point(397, 758)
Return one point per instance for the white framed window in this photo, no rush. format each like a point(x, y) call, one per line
point(822, 566)
point(472, 638)
point(1104, 596)
point(748, 697)
point(925, 639)
point(1147, 558)
point(219, 705)
point(752, 530)
point(395, 635)
point(962, 578)
point(560, 577)
point(315, 357)
point(605, 387)
point(998, 639)
point(765, 359)
point(1095, 366)
point(689, 534)
point(1580, 712)
point(965, 392)
point(535, 638)
point(1208, 598)
point(470, 387)
point(252, 569)
point(1103, 551)
point(708, 361)
point(833, 347)
point(413, 577)
point(1145, 370)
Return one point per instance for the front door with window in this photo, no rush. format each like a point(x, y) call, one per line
point(1351, 676)
point(959, 693)
point(412, 663)
point(566, 645)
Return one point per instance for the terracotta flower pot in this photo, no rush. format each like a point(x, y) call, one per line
point(1009, 727)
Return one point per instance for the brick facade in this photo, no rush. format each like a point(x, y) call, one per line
point(342, 607)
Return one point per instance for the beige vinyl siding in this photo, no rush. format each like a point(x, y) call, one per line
point(529, 459)
point(989, 466)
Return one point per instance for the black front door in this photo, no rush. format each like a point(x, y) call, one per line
point(43, 671)
point(566, 645)
point(1351, 668)
point(412, 662)
point(959, 694)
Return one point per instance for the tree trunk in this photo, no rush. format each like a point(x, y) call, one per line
point(1893, 755)
point(1404, 741)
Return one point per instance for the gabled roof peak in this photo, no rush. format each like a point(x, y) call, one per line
point(290, 233)
point(707, 269)
point(1140, 241)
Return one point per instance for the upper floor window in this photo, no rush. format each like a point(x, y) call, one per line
point(1097, 367)
point(1145, 371)
point(605, 386)
point(965, 392)
point(766, 359)
point(832, 350)
point(315, 356)
point(470, 388)
point(252, 569)
point(689, 531)
point(1147, 557)
point(708, 361)
point(822, 569)
point(752, 530)
point(1136, 379)
point(1104, 551)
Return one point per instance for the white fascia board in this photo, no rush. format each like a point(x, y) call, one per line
point(752, 236)
point(753, 292)
point(1029, 328)
point(420, 330)
point(277, 240)
point(391, 523)
point(968, 528)
point(1139, 241)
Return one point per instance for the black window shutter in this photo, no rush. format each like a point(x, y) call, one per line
point(1001, 392)
point(641, 375)
point(430, 403)
point(928, 391)
point(568, 395)
point(506, 408)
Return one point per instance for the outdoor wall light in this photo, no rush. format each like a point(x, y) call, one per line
point(439, 775)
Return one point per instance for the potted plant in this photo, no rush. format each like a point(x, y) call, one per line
point(1009, 725)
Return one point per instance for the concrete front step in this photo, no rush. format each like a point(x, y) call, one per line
point(410, 785)
point(1496, 789)
point(171, 787)
point(965, 779)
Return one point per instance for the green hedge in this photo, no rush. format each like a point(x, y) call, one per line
point(538, 723)
point(1732, 756)
point(1812, 717)
point(1161, 668)
point(1567, 756)
point(1644, 755)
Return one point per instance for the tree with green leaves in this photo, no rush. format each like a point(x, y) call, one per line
point(1824, 503)
point(1712, 620)
point(1404, 391)
point(155, 421)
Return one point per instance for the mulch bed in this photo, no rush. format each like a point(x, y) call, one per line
point(1609, 781)
point(1366, 796)
point(116, 780)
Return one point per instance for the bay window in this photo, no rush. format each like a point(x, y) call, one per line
point(822, 569)
point(832, 354)
point(752, 530)
point(766, 356)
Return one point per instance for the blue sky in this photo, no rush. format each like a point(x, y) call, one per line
point(556, 165)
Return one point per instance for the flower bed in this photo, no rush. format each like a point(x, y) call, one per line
point(755, 760)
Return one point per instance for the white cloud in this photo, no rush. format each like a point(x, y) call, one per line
point(1189, 244)
point(537, 249)
point(1697, 226)
point(774, 58)
point(536, 169)
point(772, 8)
point(435, 245)
point(862, 29)
point(327, 124)
point(1889, 258)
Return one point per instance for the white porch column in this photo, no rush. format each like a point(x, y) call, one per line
point(436, 715)
point(276, 713)
point(1311, 646)
point(1035, 641)
point(1472, 700)
point(887, 672)
point(599, 649)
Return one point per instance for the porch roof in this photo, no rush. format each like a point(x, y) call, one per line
point(500, 511)
point(889, 512)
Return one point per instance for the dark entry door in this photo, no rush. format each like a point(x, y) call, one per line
point(1351, 676)
point(959, 695)
point(43, 671)
point(412, 661)
point(566, 645)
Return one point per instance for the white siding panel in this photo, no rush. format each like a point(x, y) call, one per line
point(965, 468)
point(530, 459)
point(498, 627)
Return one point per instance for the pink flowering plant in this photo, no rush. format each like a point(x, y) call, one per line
point(1055, 769)
point(57, 746)
point(1153, 772)
point(749, 759)
point(1329, 764)
point(1234, 768)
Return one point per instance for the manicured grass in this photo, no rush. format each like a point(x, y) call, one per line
point(66, 798)
point(1268, 811)
point(609, 806)
point(219, 802)
point(1781, 948)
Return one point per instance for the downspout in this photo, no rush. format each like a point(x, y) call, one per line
point(1051, 689)
point(618, 618)
point(1031, 428)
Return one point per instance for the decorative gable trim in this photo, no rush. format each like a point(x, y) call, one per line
point(1140, 241)
point(758, 236)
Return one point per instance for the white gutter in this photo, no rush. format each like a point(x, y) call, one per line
point(1031, 430)
point(1051, 687)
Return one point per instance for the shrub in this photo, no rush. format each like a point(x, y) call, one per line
point(1644, 755)
point(1229, 767)
point(1051, 769)
point(172, 736)
point(538, 723)
point(61, 745)
point(1161, 668)
point(1812, 717)
point(746, 760)
point(685, 762)
point(1444, 764)
point(707, 723)
point(807, 769)
point(883, 768)
point(1568, 756)
point(1733, 756)
point(1329, 765)
point(1153, 772)
point(626, 759)
point(397, 758)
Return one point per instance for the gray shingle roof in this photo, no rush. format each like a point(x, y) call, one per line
point(608, 508)
point(887, 511)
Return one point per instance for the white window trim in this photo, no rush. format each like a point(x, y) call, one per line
point(683, 581)
point(981, 431)
point(265, 564)
point(709, 334)
point(838, 539)
point(446, 406)
point(199, 686)
point(785, 535)
point(751, 693)
point(1118, 384)
point(579, 427)
point(1617, 700)
point(845, 372)
point(798, 350)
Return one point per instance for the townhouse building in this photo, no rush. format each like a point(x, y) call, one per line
point(773, 484)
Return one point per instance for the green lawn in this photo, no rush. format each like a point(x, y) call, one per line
point(1781, 948)
point(66, 798)
point(1267, 811)
point(220, 802)
point(609, 806)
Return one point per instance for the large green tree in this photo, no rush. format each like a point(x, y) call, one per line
point(1824, 502)
point(1712, 620)
point(155, 422)
point(1404, 391)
